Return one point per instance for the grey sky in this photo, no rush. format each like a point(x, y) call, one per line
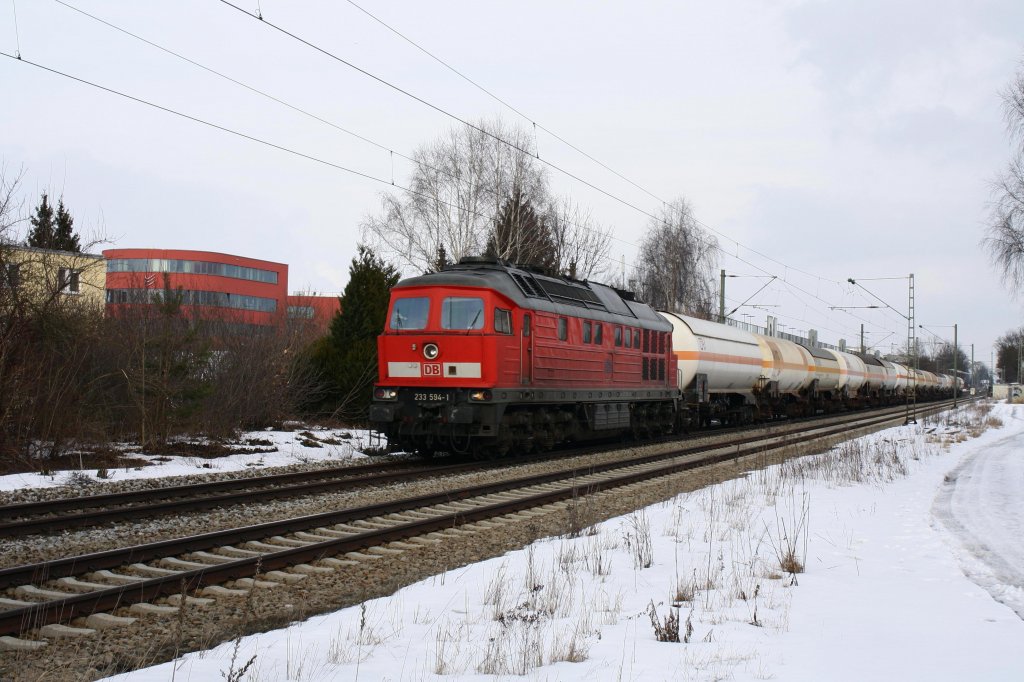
point(842, 139)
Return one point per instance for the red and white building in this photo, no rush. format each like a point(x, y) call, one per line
point(213, 286)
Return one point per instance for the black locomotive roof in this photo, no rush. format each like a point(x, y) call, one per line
point(535, 291)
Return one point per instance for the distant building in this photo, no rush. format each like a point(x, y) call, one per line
point(61, 276)
point(213, 286)
point(312, 309)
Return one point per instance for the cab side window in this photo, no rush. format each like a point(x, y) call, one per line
point(563, 329)
point(502, 321)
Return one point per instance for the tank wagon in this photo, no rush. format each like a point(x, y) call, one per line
point(483, 357)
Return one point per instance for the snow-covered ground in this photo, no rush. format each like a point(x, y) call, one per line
point(266, 449)
point(911, 543)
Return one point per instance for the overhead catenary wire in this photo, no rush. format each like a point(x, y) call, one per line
point(269, 144)
point(537, 125)
point(496, 137)
point(499, 139)
point(246, 136)
point(441, 110)
point(391, 152)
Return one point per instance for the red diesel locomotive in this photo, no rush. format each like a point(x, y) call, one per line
point(483, 357)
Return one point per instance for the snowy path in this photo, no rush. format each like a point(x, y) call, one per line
point(980, 505)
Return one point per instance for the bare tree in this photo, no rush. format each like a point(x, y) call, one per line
point(1005, 238)
point(459, 185)
point(581, 245)
point(677, 262)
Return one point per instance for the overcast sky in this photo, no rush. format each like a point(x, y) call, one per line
point(821, 140)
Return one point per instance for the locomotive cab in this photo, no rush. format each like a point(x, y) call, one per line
point(440, 357)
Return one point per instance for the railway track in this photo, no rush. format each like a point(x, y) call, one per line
point(61, 514)
point(42, 597)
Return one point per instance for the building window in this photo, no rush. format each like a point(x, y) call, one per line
point(217, 299)
point(563, 329)
point(502, 321)
point(586, 332)
point(10, 276)
point(192, 267)
point(68, 280)
point(300, 312)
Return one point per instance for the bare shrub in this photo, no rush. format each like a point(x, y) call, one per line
point(789, 540)
point(447, 647)
point(638, 539)
point(665, 629)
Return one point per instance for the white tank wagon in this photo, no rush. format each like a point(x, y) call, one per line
point(791, 373)
point(902, 378)
point(890, 379)
point(826, 377)
point(851, 374)
point(720, 368)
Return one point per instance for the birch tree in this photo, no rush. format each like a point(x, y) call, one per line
point(1005, 238)
point(677, 262)
point(458, 186)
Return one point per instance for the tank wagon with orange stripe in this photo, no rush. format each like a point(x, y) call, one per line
point(730, 376)
point(483, 357)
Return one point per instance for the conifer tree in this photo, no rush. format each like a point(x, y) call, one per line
point(42, 232)
point(53, 232)
point(347, 356)
point(521, 236)
point(64, 237)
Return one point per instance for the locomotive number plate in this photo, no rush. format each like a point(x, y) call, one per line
point(430, 397)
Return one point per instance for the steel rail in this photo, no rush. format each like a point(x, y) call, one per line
point(45, 516)
point(19, 620)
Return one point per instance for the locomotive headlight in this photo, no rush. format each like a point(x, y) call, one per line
point(430, 351)
point(480, 395)
point(385, 393)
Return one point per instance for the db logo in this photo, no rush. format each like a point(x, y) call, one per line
point(431, 369)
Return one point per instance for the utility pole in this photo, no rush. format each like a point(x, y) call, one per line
point(912, 344)
point(1020, 347)
point(721, 300)
point(862, 338)
point(956, 378)
point(974, 382)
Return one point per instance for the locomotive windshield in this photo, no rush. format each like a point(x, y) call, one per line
point(462, 313)
point(410, 313)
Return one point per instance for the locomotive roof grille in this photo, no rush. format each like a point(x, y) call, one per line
point(528, 285)
point(553, 290)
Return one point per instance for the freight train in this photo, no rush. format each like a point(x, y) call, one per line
point(484, 358)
